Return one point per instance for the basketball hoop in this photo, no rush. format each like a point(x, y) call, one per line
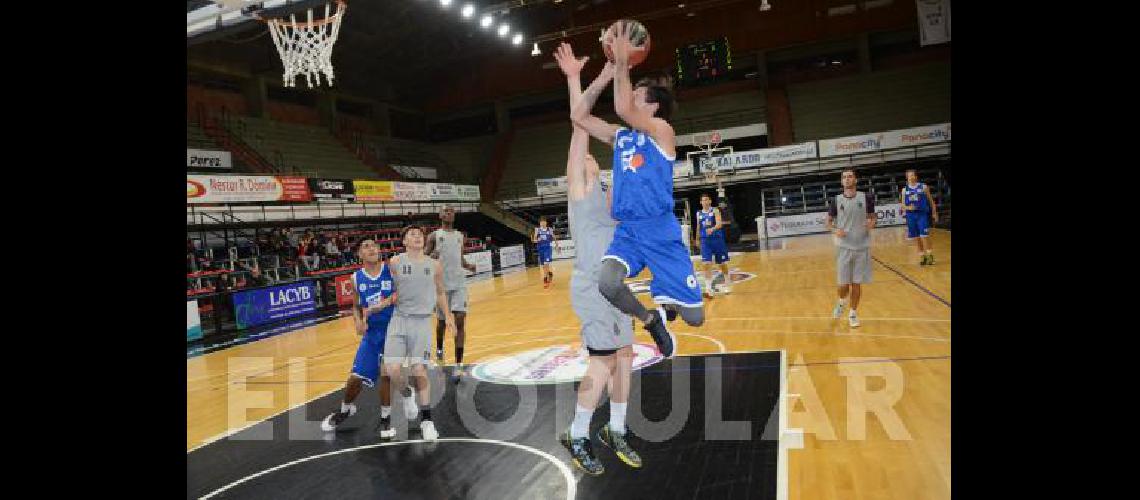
point(707, 144)
point(306, 48)
point(710, 177)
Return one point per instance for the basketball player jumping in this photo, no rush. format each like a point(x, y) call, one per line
point(372, 294)
point(606, 332)
point(648, 233)
point(714, 248)
point(419, 280)
point(543, 239)
point(920, 209)
point(850, 218)
point(446, 244)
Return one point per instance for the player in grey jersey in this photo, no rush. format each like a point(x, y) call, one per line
point(850, 218)
point(419, 290)
point(446, 244)
point(606, 332)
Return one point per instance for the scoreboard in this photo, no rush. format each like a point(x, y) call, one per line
point(704, 62)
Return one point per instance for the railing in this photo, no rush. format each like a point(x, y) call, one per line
point(354, 142)
point(522, 194)
point(714, 121)
point(219, 129)
point(793, 199)
point(250, 214)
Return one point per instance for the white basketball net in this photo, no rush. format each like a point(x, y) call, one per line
point(306, 48)
point(707, 143)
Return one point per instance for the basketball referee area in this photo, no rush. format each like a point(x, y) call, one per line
point(322, 133)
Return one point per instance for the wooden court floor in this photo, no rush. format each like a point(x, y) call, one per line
point(874, 401)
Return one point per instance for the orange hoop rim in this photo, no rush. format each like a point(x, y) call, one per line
point(340, 6)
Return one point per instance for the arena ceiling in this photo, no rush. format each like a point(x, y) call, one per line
point(408, 48)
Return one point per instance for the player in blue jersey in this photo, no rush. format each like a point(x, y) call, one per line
point(920, 210)
point(648, 234)
point(371, 312)
point(714, 248)
point(543, 239)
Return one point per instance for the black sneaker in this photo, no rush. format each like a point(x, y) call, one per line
point(617, 442)
point(581, 453)
point(670, 314)
point(660, 333)
point(384, 429)
point(439, 355)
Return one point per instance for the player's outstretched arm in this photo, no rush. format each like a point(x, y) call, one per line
point(580, 111)
point(579, 138)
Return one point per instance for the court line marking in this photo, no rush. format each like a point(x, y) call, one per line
point(782, 442)
point(907, 278)
point(837, 334)
point(229, 433)
point(718, 343)
point(541, 330)
point(880, 360)
point(268, 333)
point(275, 367)
point(567, 474)
point(793, 366)
point(806, 318)
point(528, 341)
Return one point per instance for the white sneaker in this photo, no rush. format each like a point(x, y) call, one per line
point(838, 311)
point(428, 430)
point(853, 320)
point(386, 431)
point(334, 419)
point(709, 292)
point(411, 409)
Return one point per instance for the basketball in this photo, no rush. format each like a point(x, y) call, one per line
point(637, 33)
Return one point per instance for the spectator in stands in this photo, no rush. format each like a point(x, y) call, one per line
point(255, 277)
point(313, 251)
point(346, 250)
point(332, 251)
point(303, 254)
point(221, 283)
point(191, 259)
